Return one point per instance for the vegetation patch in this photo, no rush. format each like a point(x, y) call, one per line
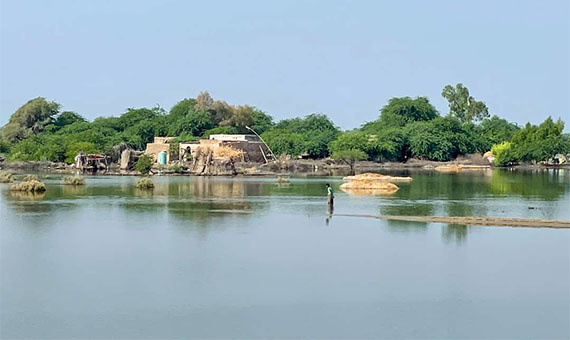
point(28, 178)
point(6, 177)
point(29, 186)
point(144, 183)
point(144, 164)
point(73, 180)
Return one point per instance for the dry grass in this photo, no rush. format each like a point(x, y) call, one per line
point(73, 180)
point(6, 177)
point(378, 177)
point(29, 186)
point(144, 183)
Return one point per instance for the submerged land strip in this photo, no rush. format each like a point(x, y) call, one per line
point(474, 221)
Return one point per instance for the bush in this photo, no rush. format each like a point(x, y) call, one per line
point(73, 180)
point(144, 164)
point(176, 168)
point(6, 177)
point(503, 154)
point(144, 183)
point(29, 186)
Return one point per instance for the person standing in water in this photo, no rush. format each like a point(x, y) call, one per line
point(330, 196)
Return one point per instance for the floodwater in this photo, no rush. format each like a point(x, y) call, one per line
point(247, 258)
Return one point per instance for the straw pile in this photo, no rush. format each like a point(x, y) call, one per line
point(379, 178)
point(6, 177)
point(29, 186)
point(73, 180)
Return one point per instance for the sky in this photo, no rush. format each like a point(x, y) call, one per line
point(345, 59)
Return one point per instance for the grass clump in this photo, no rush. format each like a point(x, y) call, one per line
point(6, 177)
point(144, 183)
point(73, 180)
point(29, 186)
point(28, 178)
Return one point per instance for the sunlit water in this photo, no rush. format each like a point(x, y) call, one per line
point(247, 258)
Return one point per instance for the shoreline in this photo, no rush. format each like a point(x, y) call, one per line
point(323, 167)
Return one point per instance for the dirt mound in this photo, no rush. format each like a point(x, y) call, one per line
point(378, 177)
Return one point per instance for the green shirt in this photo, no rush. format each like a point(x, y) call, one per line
point(329, 191)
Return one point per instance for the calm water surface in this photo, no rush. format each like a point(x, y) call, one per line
point(247, 258)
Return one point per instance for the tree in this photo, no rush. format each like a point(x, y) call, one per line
point(540, 143)
point(496, 130)
point(350, 157)
point(31, 118)
point(144, 164)
point(405, 110)
point(67, 118)
point(463, 106)
point(310, 135)
point(73, 150)
point(441, 139)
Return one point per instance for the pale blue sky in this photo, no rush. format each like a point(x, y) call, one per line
point(289, 58)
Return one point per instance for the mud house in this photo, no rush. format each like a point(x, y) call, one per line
point(253, 149)
point(159, 145)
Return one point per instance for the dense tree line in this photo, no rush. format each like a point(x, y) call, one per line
point(406, 128)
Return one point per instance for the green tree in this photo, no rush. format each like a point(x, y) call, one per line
point(350, 157)
point(441, 139)
point(31, 118)
point(67, 118)
point(144, 164)
point(302, 136)
point(73, 150)
point(405, 110)
point(463, 106)
point(540, 143)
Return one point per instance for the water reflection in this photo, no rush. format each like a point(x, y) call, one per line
point(455, 233)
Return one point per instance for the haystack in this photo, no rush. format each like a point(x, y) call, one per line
point(378, 177)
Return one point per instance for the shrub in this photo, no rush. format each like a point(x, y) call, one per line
point(503, 153)
point(6, 177)
point(73, 180)
point(176, 168)
point(144, 164)
point(29, 186)
point(144, 183)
